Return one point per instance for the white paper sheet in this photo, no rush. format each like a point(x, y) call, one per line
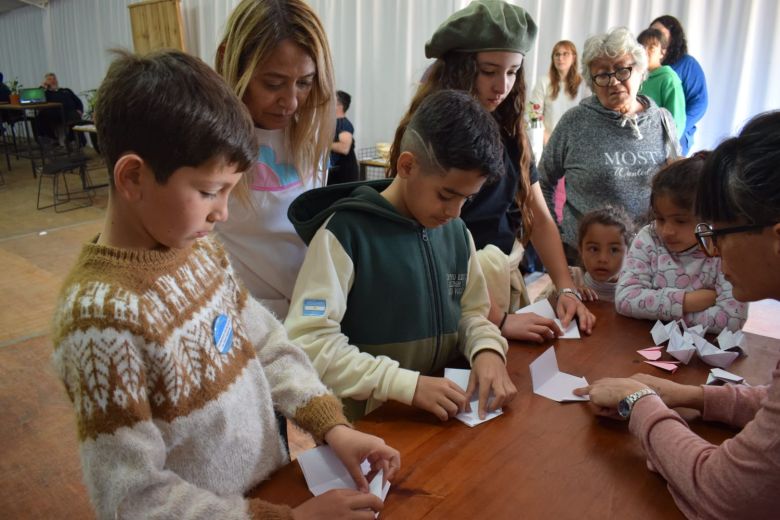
point(323, 471)
point(720, 376)
point(553, 384)
point(545, 310)
point(728, 340)
point(680, 347)
point(460, 377)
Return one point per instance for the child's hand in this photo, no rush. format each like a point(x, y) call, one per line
point(339, 503)
point(353, 447)
point(587, 294)
point(489, 372)
point(699, 300)
point(442, 397)
point(529, 326)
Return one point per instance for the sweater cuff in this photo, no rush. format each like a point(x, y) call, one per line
point(319, 415)
point(712, 396)
point(262, 510)
point(404, 386)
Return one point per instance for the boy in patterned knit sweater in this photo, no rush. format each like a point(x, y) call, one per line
point(174, 370)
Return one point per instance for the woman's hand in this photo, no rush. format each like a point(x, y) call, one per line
point(353, 447)
point(440, 396)
point(674, 395)
point(529, 326)
point(489, 372)
point(605, 394)
point(568, 305)
point(339, 503)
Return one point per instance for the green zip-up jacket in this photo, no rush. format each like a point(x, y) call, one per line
point(380, 299)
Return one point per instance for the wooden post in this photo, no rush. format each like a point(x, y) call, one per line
point(157, 24)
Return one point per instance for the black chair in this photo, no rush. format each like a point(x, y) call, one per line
point(58, 170)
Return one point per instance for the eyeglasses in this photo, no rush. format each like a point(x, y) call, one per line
point(562, 54)
point(707, 236)
point(605, 78)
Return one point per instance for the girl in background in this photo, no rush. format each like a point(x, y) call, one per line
point(275, 56)
point(558, 91)
point(666, 275)
point(480, 49)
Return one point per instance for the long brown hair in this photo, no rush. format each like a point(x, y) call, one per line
point(573, 78)
point(458, 71)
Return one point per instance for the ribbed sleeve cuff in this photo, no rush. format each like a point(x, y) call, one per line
point(260, 509)
point(498, 349)
point(320, 414)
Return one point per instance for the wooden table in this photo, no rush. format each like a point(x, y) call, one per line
point(34, 149)
point(375, 162)
point(541, 459)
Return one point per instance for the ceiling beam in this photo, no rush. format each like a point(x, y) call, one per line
point(43, 4)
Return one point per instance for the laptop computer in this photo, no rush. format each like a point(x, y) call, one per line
point(31, 96)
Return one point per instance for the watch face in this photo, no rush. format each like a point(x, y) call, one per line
point(624, 409)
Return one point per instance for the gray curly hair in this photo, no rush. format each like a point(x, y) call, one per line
point(613, 44)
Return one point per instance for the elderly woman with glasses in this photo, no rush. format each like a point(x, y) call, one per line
point(739, 197)
point(609, 146)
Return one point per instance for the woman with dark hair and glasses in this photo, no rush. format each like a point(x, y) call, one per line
point(691, 75)
point(738, 196)
point(611, 144)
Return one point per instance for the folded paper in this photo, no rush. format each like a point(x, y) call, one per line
point(461, 377)
point(323, 472)
point(652, 353)
point(551, 383)
point(545, 310)
point(669, 366)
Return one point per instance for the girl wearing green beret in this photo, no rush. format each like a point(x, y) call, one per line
point(481, 49)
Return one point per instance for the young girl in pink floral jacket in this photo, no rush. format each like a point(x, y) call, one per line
point(665, 275)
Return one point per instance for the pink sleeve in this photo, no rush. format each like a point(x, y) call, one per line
point(736, 405)
point(738, 479)
point(636, 294)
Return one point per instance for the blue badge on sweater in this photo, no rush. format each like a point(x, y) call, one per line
point(314, 307)
point(223, 333)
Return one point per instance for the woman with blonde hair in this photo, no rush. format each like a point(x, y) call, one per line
point(276, 57)
point(481, 49)
point(561, 89)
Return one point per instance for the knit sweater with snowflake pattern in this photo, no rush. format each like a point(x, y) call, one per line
point(168, 426)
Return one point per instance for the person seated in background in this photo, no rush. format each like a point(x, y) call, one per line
point(662, 84)
point(49, 122)
point(5, 91)
point(391, 291)
point(343, 163)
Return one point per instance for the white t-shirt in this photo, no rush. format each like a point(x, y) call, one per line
point(553, 109)
point(264, 248)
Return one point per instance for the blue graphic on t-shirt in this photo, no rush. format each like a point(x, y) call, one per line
point(272, 175)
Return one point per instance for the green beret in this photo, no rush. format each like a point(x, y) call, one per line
point(484, 25)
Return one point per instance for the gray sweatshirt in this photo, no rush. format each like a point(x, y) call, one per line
point(607, 158)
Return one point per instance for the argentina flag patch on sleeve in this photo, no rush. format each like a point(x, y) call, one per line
point(314, 307)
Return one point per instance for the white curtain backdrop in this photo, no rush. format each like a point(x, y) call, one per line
point(378, 45)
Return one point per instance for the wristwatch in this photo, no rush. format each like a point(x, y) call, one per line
point(626, 404)
point(569, 290)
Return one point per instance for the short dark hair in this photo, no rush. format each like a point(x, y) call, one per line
point(344, 98)
point(607, 216)
point(453, 130)
point(652, 35)
point(678, 180)
point(678, 45)
point(172, 110)
point(741, 178)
